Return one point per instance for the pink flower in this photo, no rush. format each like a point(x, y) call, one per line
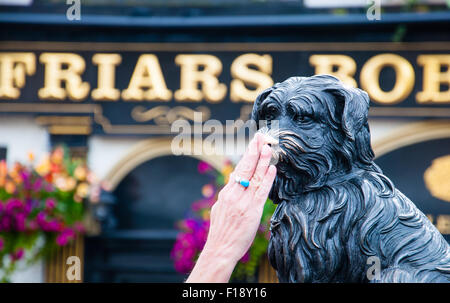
point(65, 236)
point(261, 228)
point(28, 206)
point(245, 258)
point(50, 204)
point(48, 187)
point(190, 224)
point(37, 185)
point(55, 226)
point(13, 204)
point(62, 239)
point(33, 225)
point(17, 255)
point(79, 227)
point(203, 167)
point(41, 220)
point(20, 222)
point(5, 223)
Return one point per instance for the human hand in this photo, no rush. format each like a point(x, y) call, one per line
point(236, 215)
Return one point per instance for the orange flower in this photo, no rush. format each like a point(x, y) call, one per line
point(3, 168)
point(55, 168)
point(226, 171)
point(206, 214)
point(207, 190)
point(77, 198)
point(80, 173)
point(15, 173)
point(30, 156)
point(57, 155)
point(64, 183)
point(10, 187)
point(70, 183)
point(83, 190)
point(44, 167)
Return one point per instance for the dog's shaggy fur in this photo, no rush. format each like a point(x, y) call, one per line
point(335, 206)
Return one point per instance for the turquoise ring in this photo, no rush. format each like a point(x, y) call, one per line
point(245, 183)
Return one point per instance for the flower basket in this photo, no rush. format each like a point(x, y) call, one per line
point(41, 207)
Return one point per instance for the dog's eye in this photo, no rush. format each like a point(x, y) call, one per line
point(270, 113)
point(303, 119)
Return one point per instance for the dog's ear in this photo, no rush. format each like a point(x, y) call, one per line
point(355, 112)
point(261, 97)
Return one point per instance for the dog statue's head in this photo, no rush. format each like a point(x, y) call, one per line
point(322, 131)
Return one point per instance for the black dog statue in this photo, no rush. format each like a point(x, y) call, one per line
point(336, 210)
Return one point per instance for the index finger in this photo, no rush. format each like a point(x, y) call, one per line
point(247, 165)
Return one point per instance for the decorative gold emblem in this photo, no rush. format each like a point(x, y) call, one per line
point(437, 178)
point(164, 115)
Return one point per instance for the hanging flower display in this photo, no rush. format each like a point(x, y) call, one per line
point(41, 207)
point(194, 228)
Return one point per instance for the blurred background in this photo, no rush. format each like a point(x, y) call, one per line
point(89, 89)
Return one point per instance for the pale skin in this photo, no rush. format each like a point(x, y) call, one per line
point(236, 215)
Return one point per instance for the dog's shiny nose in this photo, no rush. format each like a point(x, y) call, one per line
point(273, 142)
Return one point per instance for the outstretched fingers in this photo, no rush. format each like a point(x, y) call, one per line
point(262, 192)
point(247, 165)
point(261, 168)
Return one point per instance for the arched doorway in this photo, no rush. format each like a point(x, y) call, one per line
point(150, 199)
point(421, 171)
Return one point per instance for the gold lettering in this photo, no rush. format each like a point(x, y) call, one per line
point(55, 74)
point(370, 75)
point(211, 89)
point(147, 73)
point(13, 68)
point(259, 79)
point(341, 66)
point(106, 77)
point(433, 78)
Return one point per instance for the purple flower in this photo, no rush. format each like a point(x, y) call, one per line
point(50, 204)
point(65, 236)
point(33, 225)
point(25, 176)
point(41, 220)
point(54, 226)
point(5, 223)
point(62, 239)
point(37, 185)
point(20, 221)
point(191, 224)
point(13, 204)
point(48, 187)
point(203, 167)
point(79, 227)
point(17, 255)
point(245, 258)
point(28, 206)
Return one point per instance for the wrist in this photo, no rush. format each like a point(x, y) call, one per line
point(213, 265)
point(222, 255)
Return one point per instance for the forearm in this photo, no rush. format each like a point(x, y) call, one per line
point(212, 266)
